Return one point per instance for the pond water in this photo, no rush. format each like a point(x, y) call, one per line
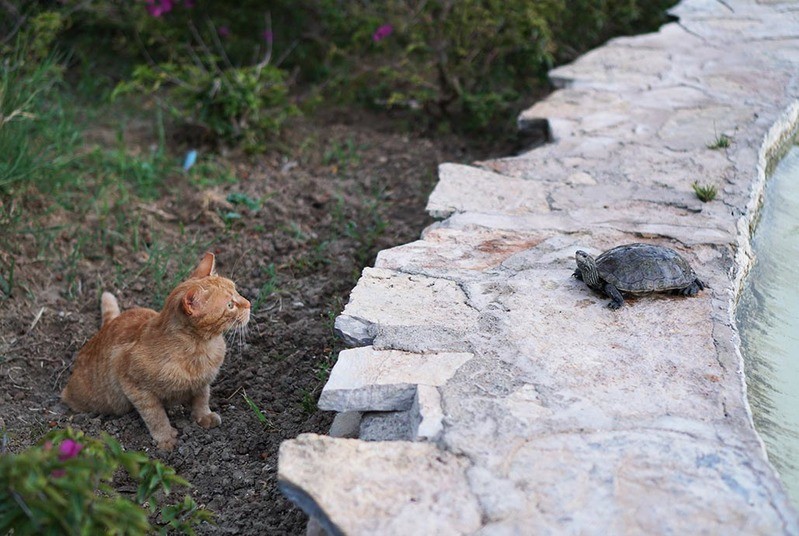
point(768, 319)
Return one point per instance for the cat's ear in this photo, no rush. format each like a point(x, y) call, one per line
point(193, 301)
point(206, 267)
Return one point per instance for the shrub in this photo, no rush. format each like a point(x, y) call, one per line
point(202, 75)
point(64, 486)
point(468, 60)
point(236, 104)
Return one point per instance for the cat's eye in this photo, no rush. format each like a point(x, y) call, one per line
point(230, 305)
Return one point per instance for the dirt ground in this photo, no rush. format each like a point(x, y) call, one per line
point(294, 236)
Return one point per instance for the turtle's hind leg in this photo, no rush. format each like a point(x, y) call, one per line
point(616, 298)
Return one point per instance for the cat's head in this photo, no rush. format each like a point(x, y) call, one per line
point(208, 302)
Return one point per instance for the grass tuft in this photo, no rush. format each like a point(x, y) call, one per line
point(722, 141)
point(265, 422)
point(705, 192)
point(268, 288)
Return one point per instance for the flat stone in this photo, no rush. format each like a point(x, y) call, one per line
point(388, 298)
point(463, 188)
point(365, 379)
point(465, 253)
point(346, 424)
point(355, 331)
point(643, 482)
point(426, 414)
point(393, 488)
point(387, 426)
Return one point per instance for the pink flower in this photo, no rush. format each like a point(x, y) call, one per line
point(156, 8)
point(267, 35)
point(223, 31)
point(68, 449)
point(382, 32)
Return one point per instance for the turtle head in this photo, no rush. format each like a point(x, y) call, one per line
point(587, 268)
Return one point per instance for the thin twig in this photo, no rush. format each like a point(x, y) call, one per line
point(200, 41)
point(286, 53)
point(268, 32)
point(36, 319)
point(218, 43)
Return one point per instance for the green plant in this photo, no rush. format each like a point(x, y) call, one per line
point(368, 229)
point(65, 485)
point(6, 277)
point(325, 366)
point(343, 155)
point(246, 104)
point(722, 141)
point(308, 402)
point(268, 288)
point(146, 172)
point(38, 137)
point(265, 422)
point(705, 192)
point(70, 266)
point(238, 198)
point(209, 172)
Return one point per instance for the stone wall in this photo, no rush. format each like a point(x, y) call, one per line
point(489, 391)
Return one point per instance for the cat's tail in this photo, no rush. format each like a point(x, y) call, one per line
point(109, 307)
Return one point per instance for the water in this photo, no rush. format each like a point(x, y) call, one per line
point(768, 319)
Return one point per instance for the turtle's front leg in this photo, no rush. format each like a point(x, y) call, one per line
point(615, 296)
point(693, 289)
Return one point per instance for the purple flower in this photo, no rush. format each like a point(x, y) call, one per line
point(223, 31)
point(267, 35)
point(382, 32)
point(68, 449)
point(156, 8)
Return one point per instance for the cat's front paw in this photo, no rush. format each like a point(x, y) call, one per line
point(209, 420)
point(166, 441)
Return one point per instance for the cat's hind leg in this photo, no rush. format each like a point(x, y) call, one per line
point(109, 307)
point(200, 411)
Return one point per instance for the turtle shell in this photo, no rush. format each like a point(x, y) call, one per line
point(641, 268)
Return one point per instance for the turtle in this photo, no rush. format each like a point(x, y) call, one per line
point(637, 269)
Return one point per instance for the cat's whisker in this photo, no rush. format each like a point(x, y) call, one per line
point(236, 333)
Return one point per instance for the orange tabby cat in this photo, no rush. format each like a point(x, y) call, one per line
point(143, 359)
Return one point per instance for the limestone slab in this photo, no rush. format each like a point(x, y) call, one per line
point(365, 379)
point(642, 482)
point(394, 488)
point(388, 298)
point(387, 426)
point(463, 188)
point(459, 253)
point(426, 414)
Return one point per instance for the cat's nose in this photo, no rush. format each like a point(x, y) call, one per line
point(246, 303)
